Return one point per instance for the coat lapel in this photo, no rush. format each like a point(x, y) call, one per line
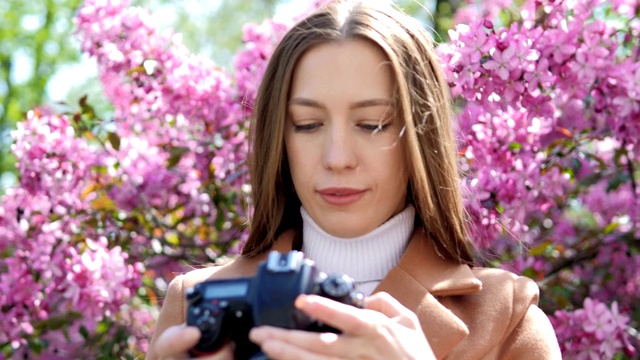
point(420, 277)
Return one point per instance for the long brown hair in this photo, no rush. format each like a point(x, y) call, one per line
point(423, 102)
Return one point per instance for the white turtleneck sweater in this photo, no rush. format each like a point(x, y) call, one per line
point(367, 258)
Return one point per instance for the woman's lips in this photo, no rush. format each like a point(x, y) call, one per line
point(341, 196)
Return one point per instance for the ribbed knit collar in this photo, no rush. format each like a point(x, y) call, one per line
point(367, 258)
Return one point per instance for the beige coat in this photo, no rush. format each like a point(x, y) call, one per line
point(465, 313)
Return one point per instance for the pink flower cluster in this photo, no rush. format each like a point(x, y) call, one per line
point(593, 332)
point(170, 103)
point(180, 122)
point(567, 65)
point(503, 160)
point(259, 42)
point(59, 270)
point(527, 87)
point(550, 124)
point(50, 159)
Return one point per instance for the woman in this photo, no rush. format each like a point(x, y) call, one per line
point(354, 162)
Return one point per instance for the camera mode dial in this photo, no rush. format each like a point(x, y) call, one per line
point(341, 288)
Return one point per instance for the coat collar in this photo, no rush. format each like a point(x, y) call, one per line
point(421, 276)
point(439, 276)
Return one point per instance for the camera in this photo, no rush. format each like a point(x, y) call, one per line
point(225, 310)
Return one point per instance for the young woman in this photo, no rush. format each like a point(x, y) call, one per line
point(354, 162)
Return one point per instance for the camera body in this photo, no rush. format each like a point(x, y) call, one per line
point(225, 310)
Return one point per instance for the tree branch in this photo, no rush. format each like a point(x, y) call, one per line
point(588, 254)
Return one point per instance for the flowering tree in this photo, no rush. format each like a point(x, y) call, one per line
point(550, 121)
point(109, 209)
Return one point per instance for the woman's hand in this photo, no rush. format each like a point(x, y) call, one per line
point(175, 342)
point(383, 330)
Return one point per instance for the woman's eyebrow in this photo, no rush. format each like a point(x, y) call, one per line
point(371, 102)
point(305, 102)
point(359, 104)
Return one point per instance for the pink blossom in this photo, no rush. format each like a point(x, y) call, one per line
point(501, 61)
point(590, 332)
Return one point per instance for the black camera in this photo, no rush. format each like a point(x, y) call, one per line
point(225, 310)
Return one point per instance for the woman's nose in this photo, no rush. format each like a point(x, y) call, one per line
point(339, 151)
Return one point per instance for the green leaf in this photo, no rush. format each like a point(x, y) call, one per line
point(576, 165)
point(84, 332)
point(532, 274)
point(103, 202)
point(102, 328)
point(569, 171)
point(6, 348)
point(590, 180)
point(515, 146)
point(172, 238)
point(539, 249)
point(505, 18)
point(57, 322)
point(610, 228)
point(617, 180)
point(100, 169)
point(37, 345)
point(86, 109)
point(114, 140)
point(175, 154)
point(219, 223)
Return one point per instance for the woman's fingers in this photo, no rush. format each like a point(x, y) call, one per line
point(282, 350)
point(283, 344)
point(304, 339)
point(174, 342)
point(386, 304)
point(346, 318)
point(385, 329)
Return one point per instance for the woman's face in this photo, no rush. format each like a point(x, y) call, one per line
point(343, 140)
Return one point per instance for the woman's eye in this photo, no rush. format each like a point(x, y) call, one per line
point(375, 127)
point(306, 127)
